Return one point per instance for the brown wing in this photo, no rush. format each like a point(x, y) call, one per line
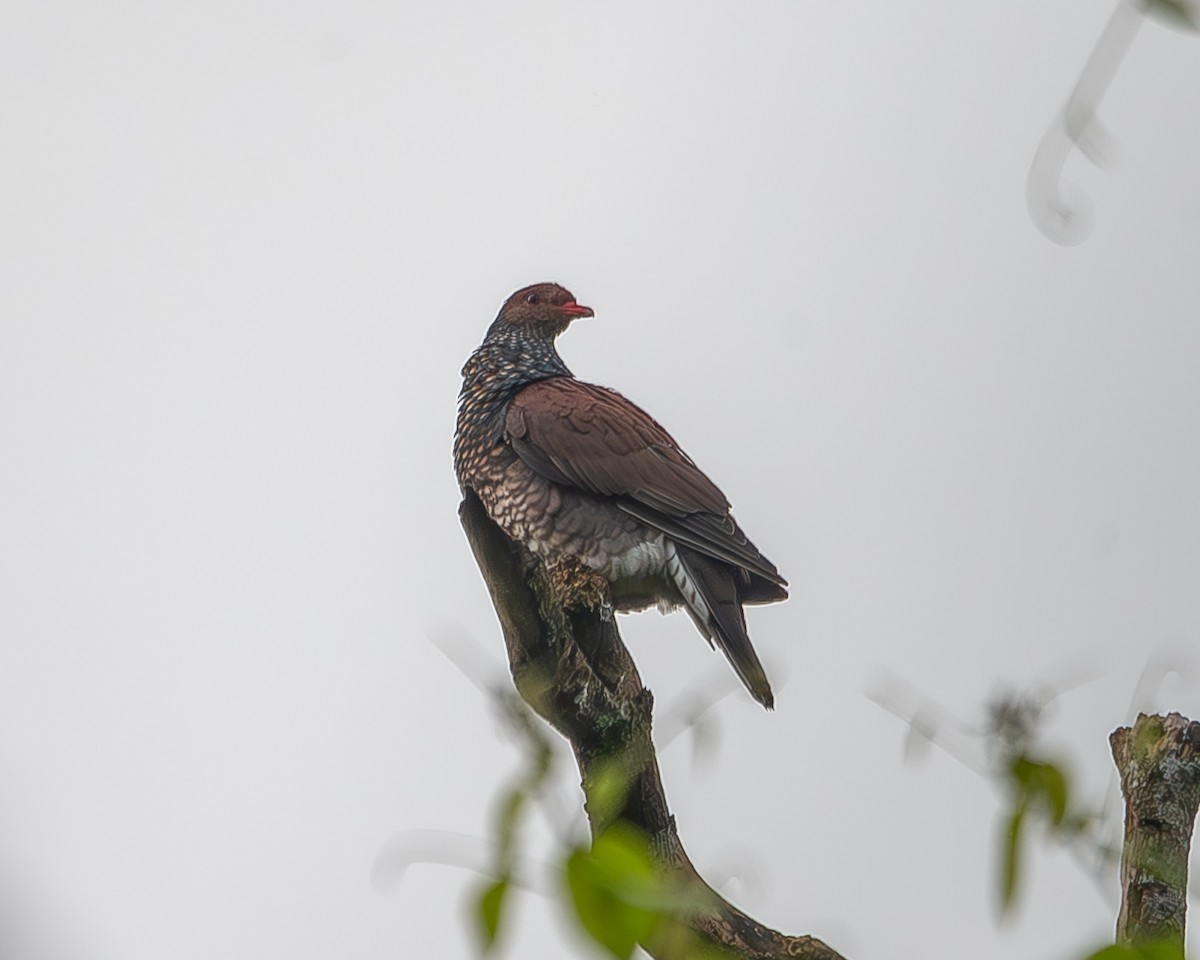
point(595, 440)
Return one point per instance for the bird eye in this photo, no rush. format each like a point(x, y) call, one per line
point(532, 298)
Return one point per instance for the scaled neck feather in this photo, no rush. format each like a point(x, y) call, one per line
point(508, 359)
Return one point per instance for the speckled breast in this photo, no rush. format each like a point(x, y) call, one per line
point(555, 522)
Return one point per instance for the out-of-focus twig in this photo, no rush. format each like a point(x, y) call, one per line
point(1004, 751)
point(1068, 222)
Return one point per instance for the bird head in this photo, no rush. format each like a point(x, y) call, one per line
point(544, 308)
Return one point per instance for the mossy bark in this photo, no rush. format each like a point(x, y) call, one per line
point(1159, 762)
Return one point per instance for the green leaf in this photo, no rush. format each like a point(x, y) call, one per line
point(607, 917)
point(1149, 951)
point(618, 892)
point(1115, 951)
point(1043, 783)
point(488, 907)
point(1010, 849)
point(1053, 784)
point(1180, 14)
point(1162, 951)
point(508, 819)
point(607, 789)
point(623, 896)
point(510, 808)
point(624, 851)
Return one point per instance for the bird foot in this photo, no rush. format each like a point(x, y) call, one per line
point(580, 587)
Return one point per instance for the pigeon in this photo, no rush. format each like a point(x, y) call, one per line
point(582, 476)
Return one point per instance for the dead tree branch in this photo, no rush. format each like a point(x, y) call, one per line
point(571, 667)
point(1159, 763)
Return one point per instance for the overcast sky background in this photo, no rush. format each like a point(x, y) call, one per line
point(245, 249)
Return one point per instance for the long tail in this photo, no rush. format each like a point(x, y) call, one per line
point(709, 589)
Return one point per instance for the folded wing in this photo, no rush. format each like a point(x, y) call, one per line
point(595, 440)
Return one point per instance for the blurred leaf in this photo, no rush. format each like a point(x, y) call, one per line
point(1042, 782)
point(625, 852)
point(1054, 786)
point(488, 907)
point(1039, 787)
point(1149, 951)
point(607, 918)
point(510, 808)
point(620, 894)
point(607, 790)
point(622, 855)
point(1115, 951)
point(508, 817)
point(1180, 14)
point(676, 939)
point(1010, 859)
point(1162, 951)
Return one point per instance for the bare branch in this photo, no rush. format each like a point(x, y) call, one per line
point(1159, 763)
point(571, 666)
point(1075, 126)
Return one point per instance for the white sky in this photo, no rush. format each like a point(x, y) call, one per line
point(244, 251)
